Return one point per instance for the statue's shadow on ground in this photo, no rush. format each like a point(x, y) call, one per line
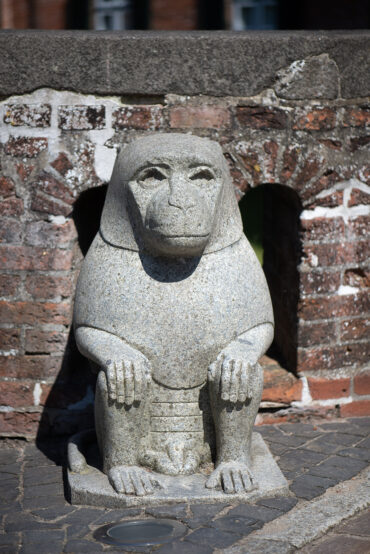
point(68, 408)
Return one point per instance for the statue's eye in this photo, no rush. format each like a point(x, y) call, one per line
point(203, 174)
point(152, 175)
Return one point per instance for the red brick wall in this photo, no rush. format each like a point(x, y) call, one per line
point(181, 15)
point(57, 151)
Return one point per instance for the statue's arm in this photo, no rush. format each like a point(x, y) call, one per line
point(127, 370)
point(231, 373)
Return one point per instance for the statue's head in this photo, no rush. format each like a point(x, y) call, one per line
point(171, 195)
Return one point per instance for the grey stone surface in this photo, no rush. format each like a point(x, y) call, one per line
point(92, 487)
point(313, 77)
point(214, 63)
point(173, 307)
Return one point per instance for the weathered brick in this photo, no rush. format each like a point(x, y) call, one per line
point(19, 423)
point(359, 143)
point(324, 389)
point(24, 171)
point(355, 409)
point(138, 117)
point(361, 383)
point(331, 143)
point(325, 182)
point(62, 164)
point(334, 254)
point(44, 233)
point(312, 282)
point(311, 309)
point(359, 227)
point(208, 117)
point(290, 160)
point(359, 197)
point(16, 393)
point(9, 284)
point(27, 147)
point(9, 339)
point(7, 187)
point(333, 357)
point(331, 200)
point(316, 119)
point(45, 342)
point(357, 277)
point(81, 118)
point(11, 206)
point(49, 185)
point(252, 164)
point(35, 313)
point(271, 149)
point(238, 178)
point(45, 204)
point(30, 367)
point(30, 258)
point(316, 333)
point(280, 386)
point(355, 329)
point(10, 231)
point(310, 168)
point(322, 229)
point(358, 116)
point(29, 115)
point(261, 117)
point(47, 287)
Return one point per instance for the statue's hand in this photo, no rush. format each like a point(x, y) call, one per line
point(128, 378)
point(231, 373)
point(232, 477)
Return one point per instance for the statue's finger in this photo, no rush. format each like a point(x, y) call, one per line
point(227, 483)
point(129, 383)
point(237, 480)
point(111, 381)
point(243, 386)
point(147, 374)
point(145, 479)
point(127, 483)
point(225, 379)
point(247, 480)
point(116, 481)
point(120, 382)
point(234, 382)
point(138, 381)
point(138, 486)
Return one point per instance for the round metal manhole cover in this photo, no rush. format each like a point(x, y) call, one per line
point(140, 532)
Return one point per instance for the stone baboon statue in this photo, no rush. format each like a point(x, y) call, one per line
point(173, 308)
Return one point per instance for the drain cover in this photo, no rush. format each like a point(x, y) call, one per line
point(140, 532)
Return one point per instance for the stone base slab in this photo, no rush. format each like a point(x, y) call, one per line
point(93, 488)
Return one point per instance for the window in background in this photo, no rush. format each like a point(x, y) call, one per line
point(254, 14)
point(113, 15)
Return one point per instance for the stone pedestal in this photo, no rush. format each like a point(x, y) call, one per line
point(91, 485)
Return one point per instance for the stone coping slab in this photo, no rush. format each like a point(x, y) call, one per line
point(217, 63)
point(93, 488)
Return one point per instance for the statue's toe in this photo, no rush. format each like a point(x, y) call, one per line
point(132, 480)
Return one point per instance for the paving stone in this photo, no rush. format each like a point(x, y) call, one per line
point(234, 523)
point(49, 490)
point(83, 516)
point(291, 475)
point(360, 422)
point(338, 468)
point(77, 546)
point(364, 443)
point(213, 538)
point(209, 510)
point(22, 521)
point(51, 513)
point(112, 516)
point(172, 512)
point(11, 540)
point(330, 443)
point(42, 548)
point(309, 486)
point(339, 545)
point(260, 513)
point(300, 459)
point(262, 546)
point(44, 501)
point(52, 474)
point(281, 503)
point(357, 525)
point(344, 427)
point(78, 531)
point(184, 548)
point(9, 456)
point(43, 536)
point(354, 452)
point(301, 429)
point(12, 469)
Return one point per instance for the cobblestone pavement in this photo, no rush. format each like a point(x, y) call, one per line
point(36, 518)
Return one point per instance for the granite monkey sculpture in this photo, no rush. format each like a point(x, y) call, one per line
point(173, 307)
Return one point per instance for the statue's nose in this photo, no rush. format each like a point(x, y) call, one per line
point(181, 195)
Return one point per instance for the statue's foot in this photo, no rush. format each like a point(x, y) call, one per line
point(132, 480)
point(232, 477)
